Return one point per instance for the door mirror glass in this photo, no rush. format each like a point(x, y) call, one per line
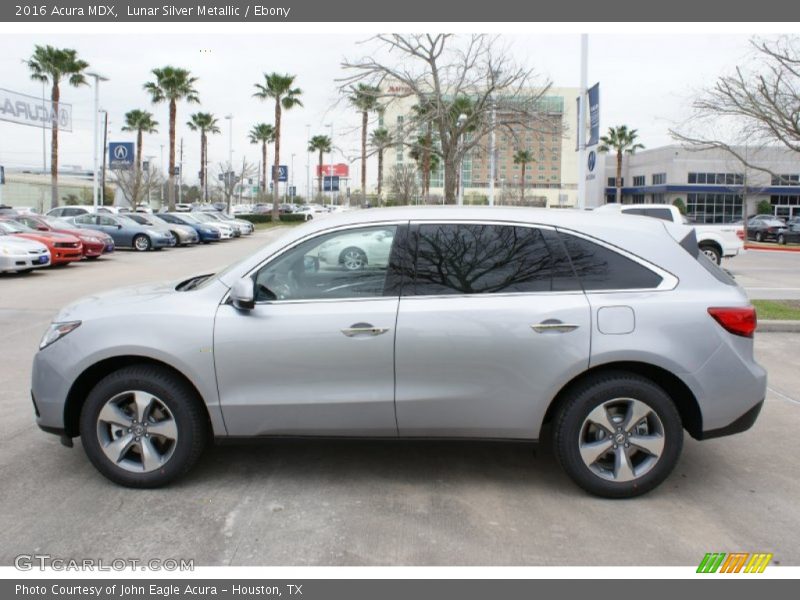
point(311, 264)
point(243, 294)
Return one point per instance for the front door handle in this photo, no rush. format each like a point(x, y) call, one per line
point(364, 329)
point(555, 326)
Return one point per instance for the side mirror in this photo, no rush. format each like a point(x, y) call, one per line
point(243, 294)
point(119, 226)
point(42, 228)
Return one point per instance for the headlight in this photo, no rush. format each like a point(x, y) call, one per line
point(5, 251)
point(56, 331)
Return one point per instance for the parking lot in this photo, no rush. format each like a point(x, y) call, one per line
point(385, 503)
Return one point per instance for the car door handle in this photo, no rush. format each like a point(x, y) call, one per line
point(554, 326)
point(364, 329)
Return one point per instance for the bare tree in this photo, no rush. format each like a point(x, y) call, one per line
point(136, 185)
point(228, 178)
point(754, 109)
point(459, 84)
point(403, 184)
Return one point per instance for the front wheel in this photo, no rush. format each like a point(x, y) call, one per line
point(759, 236)
point(353, 259)
point(782, 239)
point(142, 426)
point(141, 243)
point(618, 435)
point(712, 252)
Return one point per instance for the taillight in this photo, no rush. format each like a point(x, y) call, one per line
point(740, 234)
point(738, 321)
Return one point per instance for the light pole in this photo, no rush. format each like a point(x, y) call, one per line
point(291, 180)
point(462, 118)
point(149, 159)
point(229, 118)
point(95, 189)
point(582, 122)
point(330, 168)
point(308, 163)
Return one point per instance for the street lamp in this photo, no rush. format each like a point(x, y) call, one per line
point(291, 179)
point(330, 169)
point(462, 118)
point(308, 163)
point(97, 79)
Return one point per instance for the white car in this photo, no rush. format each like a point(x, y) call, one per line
point(226, 231)
point(19, 255)
point(357, 251)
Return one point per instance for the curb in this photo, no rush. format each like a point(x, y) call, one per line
point(772, 248)
point(769, 326)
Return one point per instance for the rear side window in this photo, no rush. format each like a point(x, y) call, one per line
point(600, 268)
point(657, 213)
point(489, 259)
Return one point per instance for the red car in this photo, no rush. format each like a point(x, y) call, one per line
point(63, 248)
point(95, 243)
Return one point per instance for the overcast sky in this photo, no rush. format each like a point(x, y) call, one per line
point(646, 82)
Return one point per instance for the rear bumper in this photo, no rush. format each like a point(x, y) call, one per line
point(741, 424)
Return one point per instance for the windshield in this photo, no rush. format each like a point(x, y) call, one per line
point(202, 217)
point(186, 218)
point(56, 223)
point(10, 227)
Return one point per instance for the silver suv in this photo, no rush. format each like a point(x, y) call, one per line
point(612, 332)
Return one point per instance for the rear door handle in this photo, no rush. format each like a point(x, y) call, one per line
point(364, 329)
point(554, 326)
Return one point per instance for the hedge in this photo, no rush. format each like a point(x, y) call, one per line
point(267, 218)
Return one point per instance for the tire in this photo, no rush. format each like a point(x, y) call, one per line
point(23, 271)
point(92, 257)
point(712, 252)
point(141, 243)
point(353, 259)
point(759, 236)
point(168, 405)
point(609, 398)
point(781, 239)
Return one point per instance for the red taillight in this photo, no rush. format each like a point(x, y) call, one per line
point(738, 321)
point(740, 234)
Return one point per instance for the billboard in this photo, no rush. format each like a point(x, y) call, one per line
point(594, 115)
point(33, 111)
point(283, 173)
point(120, 156)
point(330, 183)
point(337, 169)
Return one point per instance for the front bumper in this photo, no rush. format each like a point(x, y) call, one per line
point(162, 242)
point(21, 262)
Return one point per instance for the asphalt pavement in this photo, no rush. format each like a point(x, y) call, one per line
point(384, 503)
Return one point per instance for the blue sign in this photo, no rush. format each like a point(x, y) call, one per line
point(592, 161)
point(594, 115)
point(120, 155)
point(283, 173)
point(292, 191)
point(330, 183)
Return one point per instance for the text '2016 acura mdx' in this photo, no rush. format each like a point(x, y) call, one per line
point(436, 322)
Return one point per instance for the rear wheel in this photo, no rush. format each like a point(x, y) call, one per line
point(712, 252)
point(618, 435)
point(142, 427)
point(353, 259)
point(759, 236)
point(141, 243)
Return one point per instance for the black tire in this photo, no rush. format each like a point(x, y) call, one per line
point(92, 257)
point(348, 263)
point(141, 243)
point(571, 421)
point(781, 239)
point(712, 252)
point(23, 271)
point(759, 236)
point(181, 400)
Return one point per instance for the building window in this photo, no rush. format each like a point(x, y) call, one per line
point(612, 181)
point(659, 178)
point(786, 179)
point(716, 178)
point(637, 199)
point(714, 208)
point(659, 198)
point(638, 180)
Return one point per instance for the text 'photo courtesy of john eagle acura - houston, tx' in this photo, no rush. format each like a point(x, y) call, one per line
point(615, 332)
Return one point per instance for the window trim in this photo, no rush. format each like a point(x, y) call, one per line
point(668, 280)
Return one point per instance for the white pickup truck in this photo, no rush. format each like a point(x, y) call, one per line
point(715, 241)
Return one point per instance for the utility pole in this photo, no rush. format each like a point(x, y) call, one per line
point(308, 163)
point(582, 122)
point(180, 175)
point(97, 79)
point(105, 154)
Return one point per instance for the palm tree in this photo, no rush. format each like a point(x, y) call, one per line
point(380, 140)
point(205, 123)
point(263, 133)
point(321, 144)
point(523, 157)
point(141, 122)
point(365, 100)
point(171, 85)
point(623, 141)
point(427, 160)
point(279, 88)
point(53, 65)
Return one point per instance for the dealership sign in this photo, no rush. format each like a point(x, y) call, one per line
point(30, 110)
point(338, 169)
point(120, 156)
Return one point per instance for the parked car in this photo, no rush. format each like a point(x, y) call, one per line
point(357, 251)
point(242, 209)
point(126, 232)
point(226, 231)
point(242, 226)
point(765, 229)
point(792, 233)
point(183, 207)
point(183, 234)
point(206, 232)
point(616, 331)
point(80, 209)
point(95, 243)
point(715, 240)
point(7, 211)
point(63, 248)
point(262, 209)
point(26, 210)
point(20, 255)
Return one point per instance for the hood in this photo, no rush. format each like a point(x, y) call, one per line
point(52, 236)
point(119, 301)
point(19, 243)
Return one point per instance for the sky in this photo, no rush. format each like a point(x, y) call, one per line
point(647, 82)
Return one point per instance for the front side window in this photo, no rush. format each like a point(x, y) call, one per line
point(346, 264)
point(107, 221)
point(85, 219)
point(600, 268)
point(489, 259)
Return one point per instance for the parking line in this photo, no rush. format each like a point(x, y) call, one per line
point(784, 396)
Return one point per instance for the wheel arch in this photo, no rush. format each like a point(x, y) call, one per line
point(683, 397)
point(92, 375)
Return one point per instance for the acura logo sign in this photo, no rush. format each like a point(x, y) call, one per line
point(120, 152)
point(592, 161)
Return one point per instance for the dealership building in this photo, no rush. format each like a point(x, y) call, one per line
point(550, 180)
point(713, 184)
